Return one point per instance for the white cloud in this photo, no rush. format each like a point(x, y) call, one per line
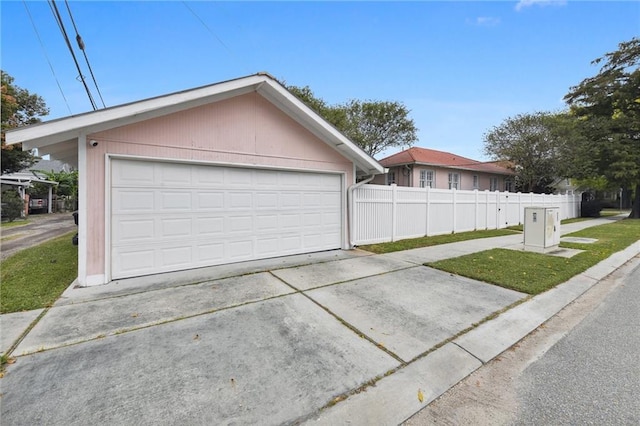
point(488, 21)
point(528, 3)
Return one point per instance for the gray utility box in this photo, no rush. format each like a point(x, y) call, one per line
point(541, 229)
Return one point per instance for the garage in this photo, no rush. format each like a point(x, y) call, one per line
point(233, 171)
point(169, 216)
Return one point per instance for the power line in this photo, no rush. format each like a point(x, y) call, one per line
point(58, 18)
point(44, 51)
point(210, 30)
point(81, 47)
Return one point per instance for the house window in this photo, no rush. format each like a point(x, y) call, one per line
point(391, 178)
point(508, 185)
point(426, 178)
point(475, 181)
point(493, 184)
point(454, 181)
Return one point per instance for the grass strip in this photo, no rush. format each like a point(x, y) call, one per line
point(35, 277)
point(15, 223)
point(534, 273)
point(433, 241)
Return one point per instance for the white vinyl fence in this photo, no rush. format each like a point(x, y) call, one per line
point(389, 213)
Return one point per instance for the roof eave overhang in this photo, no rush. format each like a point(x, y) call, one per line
point(308, 118)
point(63, 132)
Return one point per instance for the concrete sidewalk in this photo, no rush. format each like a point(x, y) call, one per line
point(331, 338)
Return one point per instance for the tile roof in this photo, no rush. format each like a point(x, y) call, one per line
point(433, 157)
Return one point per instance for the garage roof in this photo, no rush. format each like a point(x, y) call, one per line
point(59, 137)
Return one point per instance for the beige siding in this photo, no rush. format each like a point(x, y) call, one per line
point(247, 130)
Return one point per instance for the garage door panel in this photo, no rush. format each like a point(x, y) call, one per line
point(241, 249)
point(131, 261)
point(208, 200)
point(131, 174)
point(266, 223)
point(266, 200)
point(130, 200)
point(290, 221)
point(186, 216)
point(210, 253)
point(240, 201)
point(267, 246)
point(209, 226)
point(175, 227)
point(174, 200)
point(135, 230)
point(312, 241)
point(176, 256)
point(175, 175)
point(238, 177)
point(290, 200)
point(291, 243)
point(240, 224)
point(208, 176)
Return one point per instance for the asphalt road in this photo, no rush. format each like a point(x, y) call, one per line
point(42, 227)
point(580, 367)
point(592, 376)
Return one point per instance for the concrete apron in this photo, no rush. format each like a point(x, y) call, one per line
point(270, 347)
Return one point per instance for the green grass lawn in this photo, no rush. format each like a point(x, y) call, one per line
point(432, 241)
point(573, 220)
point(15, 223)
point(534, 273)
point(35, 277)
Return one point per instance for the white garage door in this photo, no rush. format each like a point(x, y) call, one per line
point(170, 216)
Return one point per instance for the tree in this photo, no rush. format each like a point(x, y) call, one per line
point(19, 108)
point(607, 106)
point(373, 125)
point(12, 204)
point(67, 181)
point(533, 144)
point(378, 125)
point(333, 115)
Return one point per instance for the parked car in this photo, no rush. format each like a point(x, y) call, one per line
point(38, 205)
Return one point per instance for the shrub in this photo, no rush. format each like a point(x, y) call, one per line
point(12, 205)
point(590, 208)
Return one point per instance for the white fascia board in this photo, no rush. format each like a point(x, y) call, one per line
point(70, 128)
point(43, 134)
point(304, 115)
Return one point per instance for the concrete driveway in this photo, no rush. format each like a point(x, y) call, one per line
point(330, 338)
point(268, 347)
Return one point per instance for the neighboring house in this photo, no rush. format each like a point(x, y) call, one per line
point(23, 180)
point(50, 166)
point(422, 167)
point(234, 171)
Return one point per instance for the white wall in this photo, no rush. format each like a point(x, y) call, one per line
point(391, 213)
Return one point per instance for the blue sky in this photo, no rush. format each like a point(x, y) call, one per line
point(461, 67)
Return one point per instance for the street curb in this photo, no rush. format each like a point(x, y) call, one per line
point(394, 399)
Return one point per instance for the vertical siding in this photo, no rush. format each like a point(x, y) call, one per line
point(246, 129)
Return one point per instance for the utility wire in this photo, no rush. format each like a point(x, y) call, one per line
point(86, 59)
point(209, 30)
point(58, 18)
point(44, 51)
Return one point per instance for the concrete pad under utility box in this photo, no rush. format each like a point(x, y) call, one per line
point(273, 362)
point(412, 310)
